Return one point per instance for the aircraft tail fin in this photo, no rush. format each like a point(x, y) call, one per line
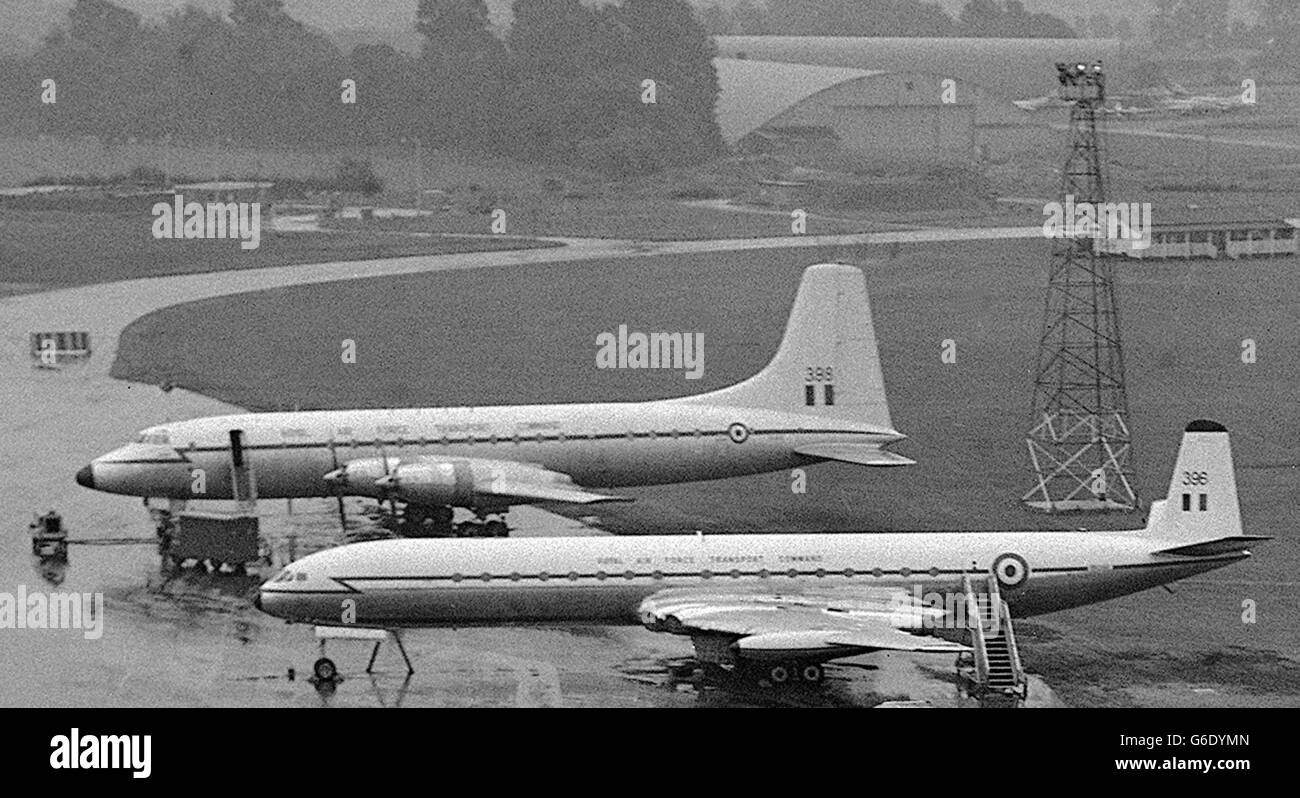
point(1200, 515)
point(828, 363)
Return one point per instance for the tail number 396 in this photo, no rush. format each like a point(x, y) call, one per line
point(819, 374)
point(1196, 478)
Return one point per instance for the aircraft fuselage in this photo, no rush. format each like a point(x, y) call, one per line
point(603, 580)
point(598, 445)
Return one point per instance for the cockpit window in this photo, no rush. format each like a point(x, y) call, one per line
point(154, 436)
point(288, 575)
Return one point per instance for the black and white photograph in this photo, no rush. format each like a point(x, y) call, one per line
point(661, 354)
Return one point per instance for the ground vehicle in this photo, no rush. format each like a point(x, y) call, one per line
point(49, 537)
point(214, 539)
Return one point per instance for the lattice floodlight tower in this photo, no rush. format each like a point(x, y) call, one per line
point(1079, 442)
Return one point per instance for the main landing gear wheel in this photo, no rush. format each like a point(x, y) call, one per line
point(325, 669)
point(812, 673)
point(784, 674)
point(420, 521)
point(482, 529)
point(440, 518)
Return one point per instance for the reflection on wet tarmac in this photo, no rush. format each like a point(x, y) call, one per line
point(712, 688)
point(53, 571)
point(385, 695)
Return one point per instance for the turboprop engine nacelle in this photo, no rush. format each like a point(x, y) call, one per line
point(432, 482)
point(476, 484)
point(359, 477)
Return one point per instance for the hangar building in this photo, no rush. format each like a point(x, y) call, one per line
point(1011, 68)
point(879, 97)
point(865, 116)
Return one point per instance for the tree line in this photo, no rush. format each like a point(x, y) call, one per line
point(1207, 25)
point(624, 88)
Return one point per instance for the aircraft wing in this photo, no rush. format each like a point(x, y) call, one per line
point(857, 621)
point(856, 453)
point(524, 482)
point(538, 492)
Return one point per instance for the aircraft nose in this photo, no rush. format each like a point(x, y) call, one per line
point(257, 602)
point(86, 477)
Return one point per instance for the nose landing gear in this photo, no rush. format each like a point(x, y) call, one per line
point(325, 669)
point(325, 672)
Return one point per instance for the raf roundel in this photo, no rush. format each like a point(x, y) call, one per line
point(1011, 570)
point(738, 433)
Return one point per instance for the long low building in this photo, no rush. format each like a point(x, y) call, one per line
point(1269, 238)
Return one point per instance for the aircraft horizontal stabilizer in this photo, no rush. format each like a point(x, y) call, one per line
point(856, 453)
point(1211, 547)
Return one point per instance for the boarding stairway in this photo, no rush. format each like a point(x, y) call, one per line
point(993, 669)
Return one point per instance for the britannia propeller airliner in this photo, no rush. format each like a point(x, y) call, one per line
point(821, 398)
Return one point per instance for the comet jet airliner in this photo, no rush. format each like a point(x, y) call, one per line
point(779, 604)
point(821, 398)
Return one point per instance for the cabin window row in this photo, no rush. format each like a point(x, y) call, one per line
point(446, 440)
point(792, 573)
point(1232, 235)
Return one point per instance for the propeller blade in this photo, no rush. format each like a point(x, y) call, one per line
point(383, 458)
point(336, 479)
